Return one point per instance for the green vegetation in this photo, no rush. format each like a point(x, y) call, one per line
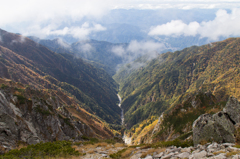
point(118, 154)
point(42, 111)
point(44, 150)
point(21, 99)
point(19, 90)
point(168, 80)
point(3, 86)
point(176, 142)
point(92, 141)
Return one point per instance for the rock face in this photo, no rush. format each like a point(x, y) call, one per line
point(218, 127)
point(34, 121)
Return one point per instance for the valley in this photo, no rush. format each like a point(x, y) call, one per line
point(49, 94)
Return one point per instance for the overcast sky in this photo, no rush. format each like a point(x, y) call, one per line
point(43, 17)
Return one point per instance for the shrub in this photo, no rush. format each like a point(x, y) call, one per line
point(176, 142)
point(42, 111)
point(21, 99)
point(44, 150)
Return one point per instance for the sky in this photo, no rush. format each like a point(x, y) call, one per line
point(33, 14)
point(42, 18)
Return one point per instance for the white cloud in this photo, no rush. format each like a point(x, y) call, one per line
point(136, 49)
point(225, 24)
point(144, 47)
point(45, 17)
point(20, 39)
point(62, 43)
point(81, 32)
point(87, 48)
point(119, 50)
point(175, 27)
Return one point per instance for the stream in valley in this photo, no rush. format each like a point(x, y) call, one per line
point(126, 139)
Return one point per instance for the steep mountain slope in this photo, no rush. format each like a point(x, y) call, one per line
point(30, 115)
point(98, 53)
point(172, 77)
point(25, 61)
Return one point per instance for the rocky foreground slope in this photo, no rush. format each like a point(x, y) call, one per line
point(220, 127)
point(29, 116)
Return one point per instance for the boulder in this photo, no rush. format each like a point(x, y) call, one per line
point(232, 108)
point(218, 127)
point(215, 127)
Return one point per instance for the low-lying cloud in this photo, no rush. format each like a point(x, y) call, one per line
point(136, 49)
point(78, 32)
point(20, 39)
point(224, 25)
point(63, 44)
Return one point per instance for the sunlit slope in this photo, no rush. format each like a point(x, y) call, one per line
point(169, 78)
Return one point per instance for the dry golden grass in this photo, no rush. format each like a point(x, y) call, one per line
point(119, 145)
point(91, 151)
point(102, 144)
point(218, 152)
point(127, 153)
point(151, 151)
point(203, 142)
point(232, 153)
point(159, 150)
point(21, 146)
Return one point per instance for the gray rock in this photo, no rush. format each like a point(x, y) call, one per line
point(159, 155)
point(232, 108)
point(228, 144)
point(216, 128)
point(167, 156)
point(235, 157)
point(149, 157)
point(214, 145)
point(230, 148)
point(183, 155)
point(211, 150)
point(210, 154)
point(199, 155)
point(220, 156)
point(187, 149)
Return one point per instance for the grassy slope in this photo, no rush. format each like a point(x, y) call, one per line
point(171, 77)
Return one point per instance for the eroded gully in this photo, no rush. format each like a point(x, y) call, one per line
point(126, 139)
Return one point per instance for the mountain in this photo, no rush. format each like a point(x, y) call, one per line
point(173, 77)
point(30, 115)
point(27, 62)
point(120, 33)
point(97, 53)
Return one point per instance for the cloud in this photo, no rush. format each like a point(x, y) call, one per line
point(46, 17)
point(62, 43)
point(136, 49)
point(225, 24)
point(144, 47)
point(81, 32)
point(175, 27)
point(85, 49)
point(20, 39)
point(119, 50)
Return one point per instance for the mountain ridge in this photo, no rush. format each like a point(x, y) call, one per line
point(171, 78)
point(88, 79)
